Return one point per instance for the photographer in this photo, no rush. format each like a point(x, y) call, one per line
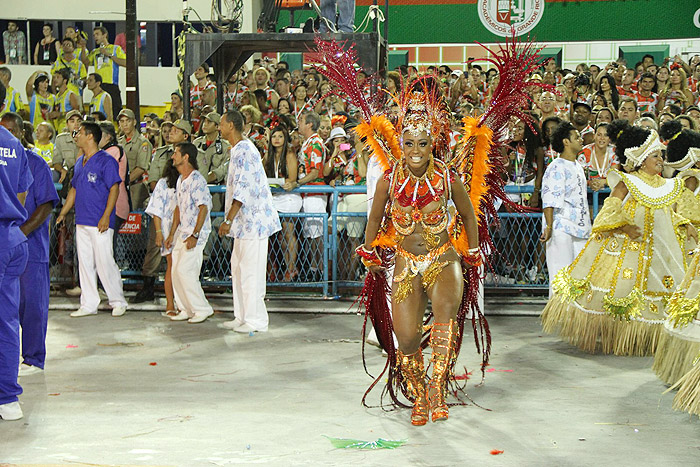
point(583, 90)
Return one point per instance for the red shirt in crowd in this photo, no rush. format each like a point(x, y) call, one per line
point(646, 104)
point(311, 156)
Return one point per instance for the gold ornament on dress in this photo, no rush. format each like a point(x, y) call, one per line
point(624, 308)
point(431, 240)
point(569, 288)
point(668, 282)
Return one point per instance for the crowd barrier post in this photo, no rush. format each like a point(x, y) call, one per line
point(596, 200)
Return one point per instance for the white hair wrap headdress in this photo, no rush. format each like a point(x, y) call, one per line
point(637, 154)
point(690, 159)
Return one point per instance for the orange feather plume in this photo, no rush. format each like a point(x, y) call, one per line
point(380, 135)
point(472, 162)
point(386, 238)
point(477, 141)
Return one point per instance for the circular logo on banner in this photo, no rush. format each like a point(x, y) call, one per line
point(499, 15)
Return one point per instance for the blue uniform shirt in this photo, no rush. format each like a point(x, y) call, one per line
point(92, 183)
point(41, 191)
point(14, 178)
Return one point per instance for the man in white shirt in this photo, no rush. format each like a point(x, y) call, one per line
point(188, 235)
point(250, 218)
point(564, 202)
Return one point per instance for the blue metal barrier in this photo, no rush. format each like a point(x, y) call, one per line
point(519, 264)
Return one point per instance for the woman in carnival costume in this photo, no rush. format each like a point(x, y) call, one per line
point(679, 344)
point(613, 296)
point(436, 256)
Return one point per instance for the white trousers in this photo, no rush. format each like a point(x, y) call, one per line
point(95, 258)
point(562, 250)
point(186, 267)
point(248, 268)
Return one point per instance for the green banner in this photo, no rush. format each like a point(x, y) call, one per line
point(463, 21)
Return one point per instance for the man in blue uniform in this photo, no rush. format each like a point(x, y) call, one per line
point(34, 283)
point(15, 179)
point(94, 194)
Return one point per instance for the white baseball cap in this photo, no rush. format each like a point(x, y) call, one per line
point(337, 132)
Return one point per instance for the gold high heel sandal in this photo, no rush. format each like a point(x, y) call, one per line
point(413, 371)
point(442, 342)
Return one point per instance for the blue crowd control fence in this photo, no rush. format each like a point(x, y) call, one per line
point(327, 264)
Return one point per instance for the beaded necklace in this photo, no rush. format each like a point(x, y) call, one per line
point(410, 190)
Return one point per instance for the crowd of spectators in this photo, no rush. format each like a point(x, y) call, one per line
point(304, 130)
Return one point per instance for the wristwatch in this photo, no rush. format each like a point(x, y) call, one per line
point(195, 234)
point(227, 222)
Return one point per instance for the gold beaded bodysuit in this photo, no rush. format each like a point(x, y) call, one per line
point(416, 193)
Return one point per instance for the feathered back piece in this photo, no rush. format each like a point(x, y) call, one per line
point(478, 159)
point(515, 61)
point(339, 65)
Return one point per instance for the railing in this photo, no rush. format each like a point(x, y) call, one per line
point(519, 263)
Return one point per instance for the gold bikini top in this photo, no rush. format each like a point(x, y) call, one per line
point(433, 222)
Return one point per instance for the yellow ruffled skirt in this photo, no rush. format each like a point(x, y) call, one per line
point(679, 345)
point(613, 297)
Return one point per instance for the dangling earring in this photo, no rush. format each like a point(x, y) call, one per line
point(431, 168)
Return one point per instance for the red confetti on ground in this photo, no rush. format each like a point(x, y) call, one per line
point(463, 377)
point(491, 370)
point(153, 363)
point(495, 452)
point(55, 394)
point(71, 346)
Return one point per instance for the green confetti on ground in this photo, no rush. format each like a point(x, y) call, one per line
point(345, 443)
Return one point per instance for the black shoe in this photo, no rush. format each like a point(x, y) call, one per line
point(146, 294)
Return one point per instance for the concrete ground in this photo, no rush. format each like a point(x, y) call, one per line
point(141, 390)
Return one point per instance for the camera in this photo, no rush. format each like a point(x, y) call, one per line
point(582, 80)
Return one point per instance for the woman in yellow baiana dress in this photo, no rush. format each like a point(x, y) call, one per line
point(612, 298)
point(679, 344)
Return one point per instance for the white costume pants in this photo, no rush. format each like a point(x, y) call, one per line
point(186, 267)
point(562, 250)
point(248, 267)
point(95, 256)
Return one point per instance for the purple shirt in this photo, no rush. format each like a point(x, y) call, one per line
point(92, 183)
point(41, 191)
point(14, 178)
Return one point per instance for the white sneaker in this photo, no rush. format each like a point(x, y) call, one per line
point(371, 338)
point(233, 324)
point(182, 316)
point(74, 292)
point(118, 310)
point(26, 369)
point(82, 312)
point(198, 318)
point(11, 411)
point(246, 328)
